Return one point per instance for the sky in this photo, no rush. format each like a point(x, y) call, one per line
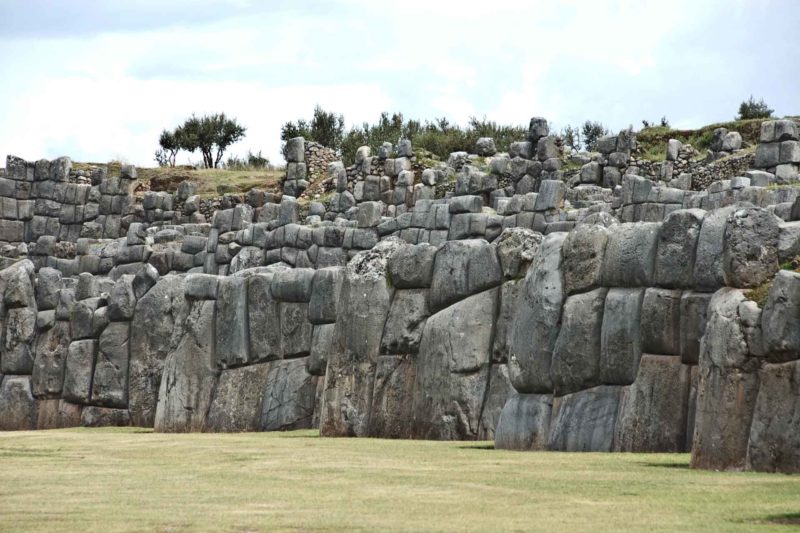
point(98, 80)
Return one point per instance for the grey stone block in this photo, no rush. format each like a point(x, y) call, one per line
point(661, 321)
point(110, 382)
point(620, 338)
point(576, 355)
point(536, 326)
point(411, 267)
point(407, 315)
point(462, 268)
point(653, 414)
point(584, 421)
point(780, 320)
point(677, 245)
point(630, 255)
point(750, 247)
point(232, 333)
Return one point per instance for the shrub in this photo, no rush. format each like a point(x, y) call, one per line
point(752, 109)
point(592, 131)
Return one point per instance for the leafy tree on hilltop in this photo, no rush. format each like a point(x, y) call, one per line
point(592, 131)
point(326, 128)
point(211, 134)
point(753, 109)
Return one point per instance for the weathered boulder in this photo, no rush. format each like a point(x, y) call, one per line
point(677, 244)
point(750, 254)
point(498, 393)
point(364, 301)
point(190, 374)
point(296, 330)
point(653, 414)
point(620, 336)
point(93, 416)
point(20, 333)
point(692, 324)
point(232, 335)
point(660, 322)
point(463, 268)
point(322, 343)
point(78, 371)
point(726, 399)
point(537, 321)
point(509, 296)
point(584, 421)
point(122, 299)
point(583, 253)
point(324, 295)
point(524, 423)
point(576, 355)
point(237, 399)
point(780, 320)
point(708, 264)
point(17, 404)
point(393, 397)
point(48, 283)
point(110, 382)
point(774, 439)
point(453, 368)
point(157, 314)
point(264, 326)
point(411, 266)
point(516, 248)
point(403, 329)
point(630, 255)
point(289, 396)
point(48, 366)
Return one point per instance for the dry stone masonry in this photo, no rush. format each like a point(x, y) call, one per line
point(495, 296)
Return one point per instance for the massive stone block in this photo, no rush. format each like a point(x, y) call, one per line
point(576, 355)
point(322, 343)
point(20, 332)
point(524, 423)
point(325, 295)
point(750, 252)
point(463, 268)
point(364, 302)
point(289, 397)
point(677, 244)
point(774, 439)
point(537, 320)
point(726, 399)
point(17, 404)
point(78, 371)
point(630, 255)
point(403, 329)
point(232, 337)
point(110, 382)
point(660, 324)
point(393, 397)
point(453, 367)
point(585, 421)
point(708, 265)
point(48, 366)
point(620, 337)
point(509, 297)
point(583, 253)
point(411, 266)
point(264, 324)
point(780, 320)
point(692, 324)
point(655, 408)
point(296, 330)
point(237, 399)
point(155, 319)
point(498, 393)
point(190, 374)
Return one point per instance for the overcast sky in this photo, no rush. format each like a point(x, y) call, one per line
point(100, 79)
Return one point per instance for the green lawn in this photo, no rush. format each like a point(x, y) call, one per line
point(135, 480)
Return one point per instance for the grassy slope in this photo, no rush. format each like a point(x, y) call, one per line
point(134, 480)
point(208, 180)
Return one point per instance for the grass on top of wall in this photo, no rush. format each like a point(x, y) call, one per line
point(113, 480)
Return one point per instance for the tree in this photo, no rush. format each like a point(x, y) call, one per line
point(211, 134)
point(753, 109)
point(592, 131)
point(325, 128)
point(571, 137)
point(170, 142)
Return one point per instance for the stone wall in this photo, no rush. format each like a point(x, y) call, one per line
point(570, 317)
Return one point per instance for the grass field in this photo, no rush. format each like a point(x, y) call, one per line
point(135, 480)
